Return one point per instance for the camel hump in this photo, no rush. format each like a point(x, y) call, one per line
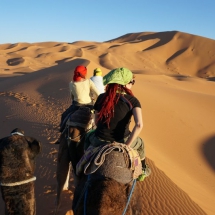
point(115, 167)
point(115, 160)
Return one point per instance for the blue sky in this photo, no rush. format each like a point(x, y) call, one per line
point(99, 20)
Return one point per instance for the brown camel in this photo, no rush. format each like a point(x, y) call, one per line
point(71, 147)
point(109, 190)
point(17, 166)
point(105, 195)
point(67, 153)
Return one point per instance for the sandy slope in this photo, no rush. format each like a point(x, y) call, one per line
point(175, 75)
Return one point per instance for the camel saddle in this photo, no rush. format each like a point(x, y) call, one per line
point(115, 160)
point(83, 117)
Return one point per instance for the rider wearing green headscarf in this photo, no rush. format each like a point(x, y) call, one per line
point(120, 76)
point(113, 112)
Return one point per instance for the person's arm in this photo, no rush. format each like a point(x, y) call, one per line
point(72, 97)
point(70, 91)
point(137, 113)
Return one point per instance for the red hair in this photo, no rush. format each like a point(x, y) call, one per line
point(109, 100)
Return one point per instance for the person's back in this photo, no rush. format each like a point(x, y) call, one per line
point(119, 124)
point(98, 80)
point(81, 91)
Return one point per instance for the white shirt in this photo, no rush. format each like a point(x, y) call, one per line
point(98, 81)
point(81, 91)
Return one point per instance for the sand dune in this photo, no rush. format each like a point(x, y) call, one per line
point(175, 74)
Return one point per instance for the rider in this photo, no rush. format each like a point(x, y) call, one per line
point(113, 112)
point(81, 92)
point(98, 80)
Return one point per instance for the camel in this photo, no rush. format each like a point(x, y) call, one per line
point(108, 184)
point(105, 197)
point(68, 154)
point(71, 147)
point(110, 187)
point(17, 166)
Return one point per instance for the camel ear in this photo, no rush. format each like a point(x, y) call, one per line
point(34, 145)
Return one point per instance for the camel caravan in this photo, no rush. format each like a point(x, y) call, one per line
point(107, 160)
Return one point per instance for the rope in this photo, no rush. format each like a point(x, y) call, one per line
point(96, 156)
point(100, 158)
point(129, 197)
point(85, 193)
point(78, 135)
point(18, 183)
point(85, 197)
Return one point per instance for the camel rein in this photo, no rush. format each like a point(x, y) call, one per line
point(84, 193)
point(18, 183)
point(69, 138)
point(129, 197)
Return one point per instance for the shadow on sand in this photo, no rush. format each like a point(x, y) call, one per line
point(208, 149)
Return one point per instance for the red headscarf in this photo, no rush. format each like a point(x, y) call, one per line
point(80, 72)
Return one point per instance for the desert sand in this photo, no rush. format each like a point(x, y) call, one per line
point(175, 83)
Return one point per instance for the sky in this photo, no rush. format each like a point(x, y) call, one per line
point(101, 20)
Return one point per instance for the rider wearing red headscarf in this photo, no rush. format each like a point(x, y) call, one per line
point(81, 91)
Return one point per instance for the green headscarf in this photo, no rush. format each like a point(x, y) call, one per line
point(119, 76)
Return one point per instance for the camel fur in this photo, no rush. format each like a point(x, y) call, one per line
point(105, 195)
point(70, 151)
point(17, 164)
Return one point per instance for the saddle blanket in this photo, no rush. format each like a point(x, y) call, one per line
point(96, 156)
point(82, 117)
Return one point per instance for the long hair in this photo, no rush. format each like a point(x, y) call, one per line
point(109, 100)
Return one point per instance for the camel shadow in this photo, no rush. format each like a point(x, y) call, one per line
point(211, 79)
point(208, 149)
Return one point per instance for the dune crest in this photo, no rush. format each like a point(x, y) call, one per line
point(169, 52)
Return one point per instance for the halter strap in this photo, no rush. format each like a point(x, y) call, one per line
point(18, 183)
point(18, 133)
